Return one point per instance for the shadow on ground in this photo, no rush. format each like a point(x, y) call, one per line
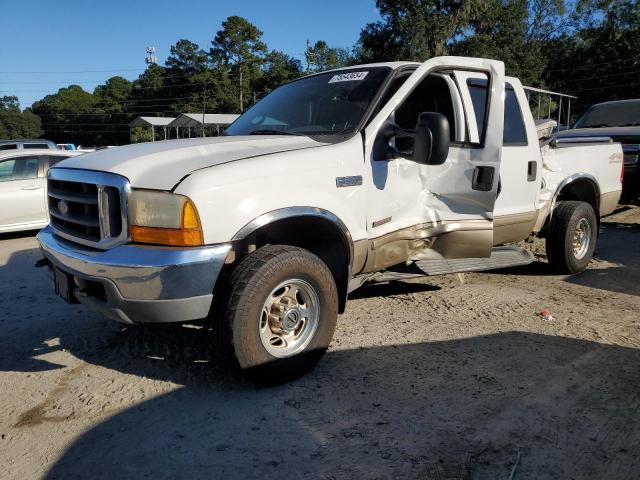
point(14, 235)
point(458, 409)
point(391, 289)
point(616, 267)
point(619, 247)
point(444, 410)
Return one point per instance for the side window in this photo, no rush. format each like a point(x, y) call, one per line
point(431, 95)
point(514, 132)
point(9, 146)
point(478, 92)
point(21, 168)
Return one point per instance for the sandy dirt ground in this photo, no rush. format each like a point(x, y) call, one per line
point(453, 377)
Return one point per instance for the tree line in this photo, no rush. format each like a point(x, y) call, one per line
point(587, 48)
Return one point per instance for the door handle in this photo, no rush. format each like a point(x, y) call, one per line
point(532, 171)
point(483, 178)
point(32, 188)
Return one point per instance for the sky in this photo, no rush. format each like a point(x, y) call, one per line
point(49, 44)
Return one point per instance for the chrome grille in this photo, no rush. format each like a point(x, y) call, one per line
point(73, 208)
point(88, 207)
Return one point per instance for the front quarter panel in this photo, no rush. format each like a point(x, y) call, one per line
point(230, 196)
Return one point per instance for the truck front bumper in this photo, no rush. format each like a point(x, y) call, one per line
point(137, 284)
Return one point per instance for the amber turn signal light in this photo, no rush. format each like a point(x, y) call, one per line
point(189, 235)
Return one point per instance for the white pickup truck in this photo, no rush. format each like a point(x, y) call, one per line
point(368, 173)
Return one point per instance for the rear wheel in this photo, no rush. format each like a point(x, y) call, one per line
point(281, 312)
point(572, 237)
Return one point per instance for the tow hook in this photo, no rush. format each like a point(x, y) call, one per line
point(43, 262)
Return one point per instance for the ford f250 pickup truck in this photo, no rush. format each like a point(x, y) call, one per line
point(364, 174)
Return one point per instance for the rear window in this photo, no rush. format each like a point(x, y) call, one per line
point(514, 131)
point(35, 145)
point(478, 91)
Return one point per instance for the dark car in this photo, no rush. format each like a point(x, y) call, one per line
point(619, 120)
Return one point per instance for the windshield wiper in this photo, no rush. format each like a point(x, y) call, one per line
point(273, 132)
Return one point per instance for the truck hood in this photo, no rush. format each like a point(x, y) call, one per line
point(162, 165)
point(618, 134)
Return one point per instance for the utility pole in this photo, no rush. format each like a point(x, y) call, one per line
point(204, 101)
point(307, 55)
point(240, 85)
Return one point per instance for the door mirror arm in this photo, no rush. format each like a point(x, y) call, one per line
point(430, 140)
point(382, 148)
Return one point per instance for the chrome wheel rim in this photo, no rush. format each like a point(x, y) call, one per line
point(289, 318)
point(581, 239)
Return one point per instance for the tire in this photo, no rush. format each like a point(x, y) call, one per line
point(275, 349)
point(572, 222)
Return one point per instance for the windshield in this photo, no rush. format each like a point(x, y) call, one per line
point(625, 114)
point(331, 103)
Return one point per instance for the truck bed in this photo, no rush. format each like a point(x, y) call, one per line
point(598, 157)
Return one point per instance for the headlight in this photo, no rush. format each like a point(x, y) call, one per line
point(163, 218)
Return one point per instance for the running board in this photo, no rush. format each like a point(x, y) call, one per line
point(501, 257)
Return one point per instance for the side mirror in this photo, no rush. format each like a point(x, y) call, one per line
point(431, 141)
point(381, 148)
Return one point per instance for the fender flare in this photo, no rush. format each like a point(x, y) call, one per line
point(571, 179)
point(296, 212)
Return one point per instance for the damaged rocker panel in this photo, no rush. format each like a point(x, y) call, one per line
point(437, 240)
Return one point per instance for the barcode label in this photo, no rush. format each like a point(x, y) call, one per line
point(348, 77)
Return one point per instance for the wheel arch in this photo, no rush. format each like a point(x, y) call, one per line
point(580, 186)
point(315, 229)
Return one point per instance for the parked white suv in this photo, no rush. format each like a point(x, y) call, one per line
point(23, 187)
point(369, 173)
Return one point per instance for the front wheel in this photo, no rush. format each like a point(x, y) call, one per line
point(281, 312)
point(572, 237)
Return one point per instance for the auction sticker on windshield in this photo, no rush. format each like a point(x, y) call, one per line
point(348, 77)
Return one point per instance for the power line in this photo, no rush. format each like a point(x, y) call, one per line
point(591, 65)
point(71, 71)
point(167, 104)
point(606, 86)
point(147, 108)
point(609, 75)
point(107, 114)
point(137, 113)
point(141, 102)
point(75, 82)
point(73, 130)
point(133, 88)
